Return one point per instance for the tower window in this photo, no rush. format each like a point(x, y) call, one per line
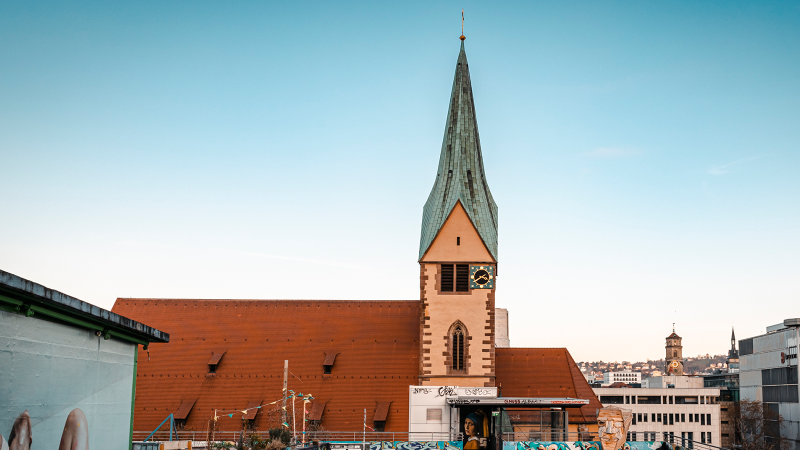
point(458, 348)
point(674, 353)
point(462, 277)
point(458, 240)
point(447, 277)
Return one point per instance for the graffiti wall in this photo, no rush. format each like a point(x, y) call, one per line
point(74, 385)
point(402, 445)
point(581, 445)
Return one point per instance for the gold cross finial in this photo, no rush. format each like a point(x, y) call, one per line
point(462, 26)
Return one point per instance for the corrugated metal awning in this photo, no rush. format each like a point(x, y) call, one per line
point(317, 409)
point(381, 411)
point(215, 357)
point(251, 413)
point(183, 411)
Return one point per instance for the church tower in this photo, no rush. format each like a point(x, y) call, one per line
point(733, 355)
point(674, 359)
point(458, 254)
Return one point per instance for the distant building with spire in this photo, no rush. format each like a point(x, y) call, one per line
point(733, 355)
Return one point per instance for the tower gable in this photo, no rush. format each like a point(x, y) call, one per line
point(458, 240)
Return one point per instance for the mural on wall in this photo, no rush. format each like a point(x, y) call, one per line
point(74, 437)
point(582, 445)
point(63, 387)
point(614, 424)
point(475, 428)
point(414, 445)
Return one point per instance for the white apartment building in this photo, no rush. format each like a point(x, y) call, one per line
point(768, 373)
point(690, 413)
point(625, 376)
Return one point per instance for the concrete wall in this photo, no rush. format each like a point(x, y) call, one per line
point(501, 328)
point(51, 369)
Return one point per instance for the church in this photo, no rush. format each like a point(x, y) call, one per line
point(394, 359)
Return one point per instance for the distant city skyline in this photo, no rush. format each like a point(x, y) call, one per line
point(643, 157)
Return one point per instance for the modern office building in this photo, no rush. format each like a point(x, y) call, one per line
point(665, 413)
point(728, 385)
point(768, 373)
point(727, 380)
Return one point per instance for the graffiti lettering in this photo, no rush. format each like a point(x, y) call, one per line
point(421, 391)
point(477, 391)
point(446, 390)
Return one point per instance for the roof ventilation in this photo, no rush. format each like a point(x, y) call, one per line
point(252, 410)
point(381, 412)
point(214, 362)
point(317, 409)
point(327, 364)
point(182, 412)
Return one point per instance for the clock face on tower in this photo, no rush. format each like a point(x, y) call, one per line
point(481, 277)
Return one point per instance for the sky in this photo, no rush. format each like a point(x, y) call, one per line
point(644, 156)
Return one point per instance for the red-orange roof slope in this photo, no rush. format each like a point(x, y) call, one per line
point(545, 372)
point(375, 343)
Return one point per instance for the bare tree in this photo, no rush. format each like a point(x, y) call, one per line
point(758, 427)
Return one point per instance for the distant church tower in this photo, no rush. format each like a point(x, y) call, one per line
point(458, 254)
point(674, 359)
point(733, 355)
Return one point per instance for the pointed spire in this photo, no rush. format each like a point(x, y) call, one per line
point(460, 177)
point(733, 353)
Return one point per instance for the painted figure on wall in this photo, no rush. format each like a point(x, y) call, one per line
point(75, 436)
point(614, 423)
point(475, 431)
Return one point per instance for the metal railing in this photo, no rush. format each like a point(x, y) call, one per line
point(681, 443)
point(549, 436)
point(320, 436)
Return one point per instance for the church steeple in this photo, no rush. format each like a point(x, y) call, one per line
point(458, 255)
point(460, 177)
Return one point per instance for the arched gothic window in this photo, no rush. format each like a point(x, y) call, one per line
point(457, 338)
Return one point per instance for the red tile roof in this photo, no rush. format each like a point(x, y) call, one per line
point(545, 372)
point(376, 341)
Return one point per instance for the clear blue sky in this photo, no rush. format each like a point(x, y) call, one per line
point(644, 156)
